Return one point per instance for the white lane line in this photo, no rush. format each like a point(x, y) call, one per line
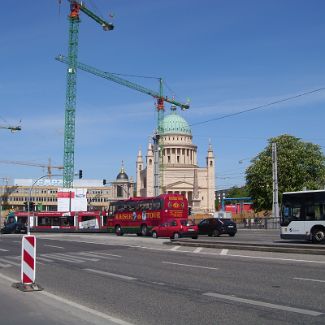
point(197, 250)
point(54, 246)
point(264, 304)
point(306, 279)
point(43, 259)
point(74, 304)
point(4, 264)
point(4, 260)
point(121, 276)
point(62, 258)
point(106, 254)
point(224, 251)
point(96, 256)
point(175, 248)
point(189, 265)
point(3, 250)
point(276, 259)
point(73, 257)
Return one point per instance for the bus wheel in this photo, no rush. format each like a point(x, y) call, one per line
point(154, 234)
point(118, 230)
point(318, 235)
point(144, 230)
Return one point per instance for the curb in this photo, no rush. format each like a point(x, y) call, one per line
point(279, 248)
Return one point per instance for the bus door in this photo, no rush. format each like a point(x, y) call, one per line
point(88, 221)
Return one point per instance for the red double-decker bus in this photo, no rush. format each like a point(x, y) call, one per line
point(139, 215)
point(55, 221)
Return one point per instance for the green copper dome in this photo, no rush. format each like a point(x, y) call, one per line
point(174, 123)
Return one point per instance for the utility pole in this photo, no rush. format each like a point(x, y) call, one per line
point(4, 179)
point(275, 209)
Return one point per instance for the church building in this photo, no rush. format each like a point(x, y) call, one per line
point(179, 170)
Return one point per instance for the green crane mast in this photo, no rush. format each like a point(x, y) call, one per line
point(70, 105)
point(158, 168)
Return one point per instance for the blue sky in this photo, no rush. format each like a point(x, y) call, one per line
point(225, 55)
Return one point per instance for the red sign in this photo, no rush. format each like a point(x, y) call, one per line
point(65, 195)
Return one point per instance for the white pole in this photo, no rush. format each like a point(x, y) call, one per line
point(275, 182)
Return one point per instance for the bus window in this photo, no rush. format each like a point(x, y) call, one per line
point(310, 212)
point(156, 204)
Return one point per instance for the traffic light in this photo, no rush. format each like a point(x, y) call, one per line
point(189, 211)
point(80, 173)
point(104, 181)
point(31, 206)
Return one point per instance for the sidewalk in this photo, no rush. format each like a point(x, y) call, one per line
point(41, 307)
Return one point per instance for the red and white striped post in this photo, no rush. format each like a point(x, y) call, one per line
point(28, 260)
point(28, 265)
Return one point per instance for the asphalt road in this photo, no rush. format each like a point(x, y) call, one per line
point(141, 281)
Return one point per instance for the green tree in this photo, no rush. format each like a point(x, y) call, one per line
point(300, 164)
point(236, 191)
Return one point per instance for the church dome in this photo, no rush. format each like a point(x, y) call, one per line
point(175, 124)
point(122, 174)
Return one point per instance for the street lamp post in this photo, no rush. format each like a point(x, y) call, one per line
point(29, 200)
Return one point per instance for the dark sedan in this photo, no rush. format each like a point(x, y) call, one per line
point(216, 227)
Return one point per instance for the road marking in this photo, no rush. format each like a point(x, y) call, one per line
point(224, 251)
point(197, 250)
point(175, 248)
point(43, 259)
point(306, 279)
point(106, 254)
point(54, 246)
point(159, 283)
point(4, 260)
point(264, 304)
point(76, 258)
point(3, 250)
point(276, 259)
point(95, 255)
point(189, 265)
point(5, 263)
point(74, 304)
point(124, 277)
point(62, 258)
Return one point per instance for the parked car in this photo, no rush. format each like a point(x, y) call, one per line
point(216, 227)
point(176, 229)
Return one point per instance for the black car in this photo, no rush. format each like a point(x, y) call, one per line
point(216, 227)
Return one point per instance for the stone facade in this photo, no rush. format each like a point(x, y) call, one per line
point(179, 170)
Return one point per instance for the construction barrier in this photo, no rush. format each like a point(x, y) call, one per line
point(28, 259)
point(28, 265)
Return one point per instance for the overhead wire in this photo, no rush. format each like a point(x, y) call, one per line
point(260, 106)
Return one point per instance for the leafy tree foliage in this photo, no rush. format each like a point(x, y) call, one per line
point(300, 164)
point(236, 191)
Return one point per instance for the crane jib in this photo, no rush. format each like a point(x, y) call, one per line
point(124, 82)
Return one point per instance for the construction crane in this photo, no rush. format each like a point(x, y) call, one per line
point(70, 105)
point(49, 166)
point(113, 77)
point(160, 109)
point(12, 128)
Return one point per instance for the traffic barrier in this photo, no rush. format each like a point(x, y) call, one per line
point(28, 259)
point(28, 265)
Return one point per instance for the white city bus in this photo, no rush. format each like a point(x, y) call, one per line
point(303, 215)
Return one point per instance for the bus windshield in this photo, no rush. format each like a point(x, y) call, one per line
point(302, 207)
